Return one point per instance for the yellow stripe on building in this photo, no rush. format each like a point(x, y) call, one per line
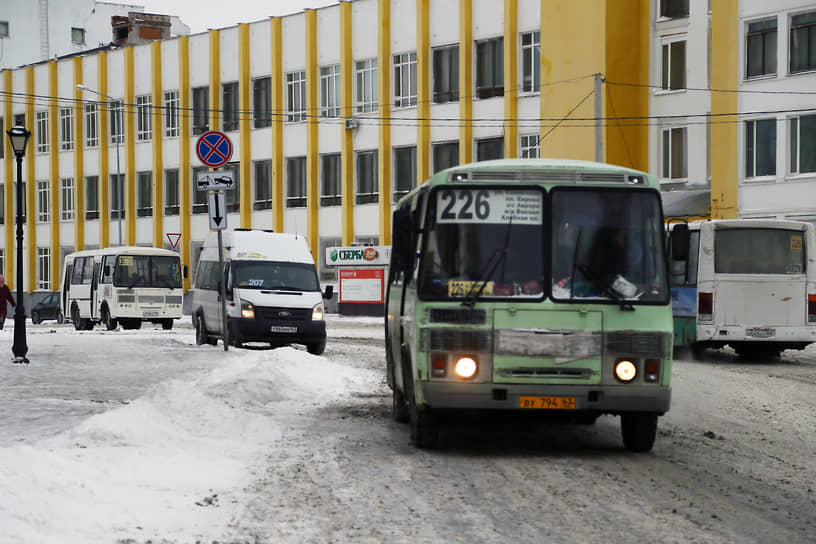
point(130, 149)
point(510, 79)
point(103, 115)
point(384, 94)
point(423, 147)
point(244, 126)
point(31, 186)
point(724, 75)
point(185, 113)
point(53, 174)
point(277, 124)
point(312, 113)
point(158, 133)
point(79, 168)
point(347, 143)
point(466, 81)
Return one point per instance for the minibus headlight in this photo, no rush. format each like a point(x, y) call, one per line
point(465, 367)
point(625, 370)
point(247, 310)
point(317, 312)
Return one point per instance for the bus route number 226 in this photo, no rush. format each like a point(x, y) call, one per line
point(464, 205)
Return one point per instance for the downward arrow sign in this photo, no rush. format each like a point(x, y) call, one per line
point(217, 215)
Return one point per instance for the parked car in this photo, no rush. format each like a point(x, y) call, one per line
point(47, 308)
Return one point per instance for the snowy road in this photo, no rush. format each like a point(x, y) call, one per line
point(137, 436)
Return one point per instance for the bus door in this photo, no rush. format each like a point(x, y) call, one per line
point(95, 298)
point(683, 262)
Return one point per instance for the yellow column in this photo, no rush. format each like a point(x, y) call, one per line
point(347, 143)
point(130, 150)
point(423, 148)
point(511, 78)
point(466, 80)
point(277, 125)
point(31, 186)
point(10, 175)
point(184, 153)
point(215, 80)
point(158, 133)
point(79, 167)
point(724, 75)
point(312, 112)
point(102, 115)
point(53, 175)
point(244, 124)
point(384, 94)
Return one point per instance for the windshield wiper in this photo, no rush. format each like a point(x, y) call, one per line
point(136, 280)
point(502, 255)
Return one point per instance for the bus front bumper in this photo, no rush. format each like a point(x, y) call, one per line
point(598, 399)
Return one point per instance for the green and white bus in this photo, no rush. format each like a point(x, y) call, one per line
point(530, 286)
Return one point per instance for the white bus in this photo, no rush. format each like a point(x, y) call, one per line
point(746, 283)
point(122, 285)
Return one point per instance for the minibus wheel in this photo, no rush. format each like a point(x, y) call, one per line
point(317, 348)
point(639, 431)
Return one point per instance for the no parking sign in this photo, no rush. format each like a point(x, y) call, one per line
point(214, 148)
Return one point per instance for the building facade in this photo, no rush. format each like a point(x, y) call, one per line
point(335, 113)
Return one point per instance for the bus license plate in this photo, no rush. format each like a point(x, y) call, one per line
point(547, 403)
point(151, 314)
point(760, 332)
point(282, 329)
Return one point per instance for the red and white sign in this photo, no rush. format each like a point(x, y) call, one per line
point(214, 148)
point(362, 285)
point(173, 238)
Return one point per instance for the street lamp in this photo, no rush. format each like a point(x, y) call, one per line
point(19, 137)
point(117, 117)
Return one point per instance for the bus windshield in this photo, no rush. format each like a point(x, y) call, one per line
point(147, 271)
point(781, 250)
point(285, 276)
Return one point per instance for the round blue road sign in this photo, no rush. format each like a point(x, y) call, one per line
point(214, 148)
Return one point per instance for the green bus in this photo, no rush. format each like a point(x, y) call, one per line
point(530, 286)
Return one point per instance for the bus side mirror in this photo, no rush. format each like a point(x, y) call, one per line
point(184, 270)
point(107, 270)
point(329, 292)
point(679, 242)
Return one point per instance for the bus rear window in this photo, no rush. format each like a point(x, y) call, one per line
point(759, 251)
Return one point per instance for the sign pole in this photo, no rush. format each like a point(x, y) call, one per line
point(223, 289)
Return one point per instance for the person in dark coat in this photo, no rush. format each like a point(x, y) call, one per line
point(5, 296)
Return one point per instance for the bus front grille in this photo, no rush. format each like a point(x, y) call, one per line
point(150, 299)
point(457, 315)
point(649, 344)
point(546, 372)
point(456, 340)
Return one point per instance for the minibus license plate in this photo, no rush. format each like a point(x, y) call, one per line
point(547, 403)
point(273, 328)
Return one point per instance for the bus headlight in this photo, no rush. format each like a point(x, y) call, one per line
point(625, 370)
point(247, 310)
point(317, 312)
point(465, 367)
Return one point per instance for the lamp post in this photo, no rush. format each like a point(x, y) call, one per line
point(19, 137)
point(117, 118)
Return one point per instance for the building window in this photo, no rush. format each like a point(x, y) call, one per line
point(262, 101)
point(445, 155)
point(327, 273)
point(42, 201)
point(529, 146)
point(171, 118)
point(330, 180)
point(760, 148)
point(19, 119)
point(92, 197)
point(490, 149)
point(296, 182)
point(77, 35)
point(330, 91)
point(405, 80)
point(490, 68)
point(2, 209)
point(199, 197)
point(366, 79)
point(201, 111)
point(803, 42)
point(2, 146)
point(446, 74)
point(4, 29)
point(367, 177)
point(263, 185)
point(530, 62)
point(91, 126)
point(234, 194)
point(171, 191)
point(117, 122)
point(41, 124)
point(117, 201)
point(675, 166)
point(229, 95)
point(296, 96)
point(674, 9)
point(803, 142)
point(761, 48)
point(66, 199)
point(44, 268)
point(144, 186)
point(144, 120)
point(66, 116)
point(674, 65)
point(405, 170)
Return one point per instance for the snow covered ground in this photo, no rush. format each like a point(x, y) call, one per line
point(134, 435)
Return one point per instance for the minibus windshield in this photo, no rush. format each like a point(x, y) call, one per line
point(278, 275)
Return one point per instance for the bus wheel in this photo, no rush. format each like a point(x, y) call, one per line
point(639, 431)
point(424, 430)
point(110, 324)
point(167, 324)
point(399, 408)
point(78, 325)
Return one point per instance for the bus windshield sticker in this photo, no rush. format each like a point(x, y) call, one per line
point(126, 260)
point(496, 206)
point(459, 288)
point(796, 242)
